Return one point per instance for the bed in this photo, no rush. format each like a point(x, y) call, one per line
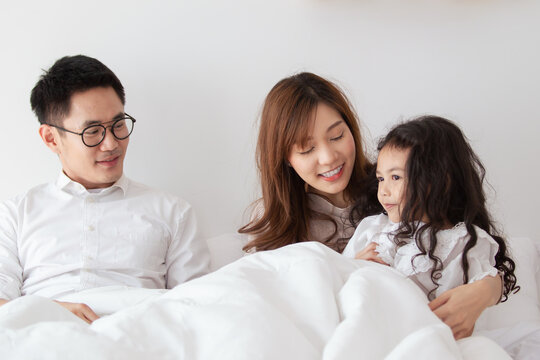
point(303, 301)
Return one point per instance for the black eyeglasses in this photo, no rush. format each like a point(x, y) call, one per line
point(94, 134)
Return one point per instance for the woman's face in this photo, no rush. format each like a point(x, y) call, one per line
point(326, 162)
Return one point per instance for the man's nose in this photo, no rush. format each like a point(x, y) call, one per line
point(109, 142)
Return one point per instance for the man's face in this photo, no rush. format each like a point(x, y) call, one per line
point(99, 166)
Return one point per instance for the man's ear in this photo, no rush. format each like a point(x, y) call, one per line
point(49, 137)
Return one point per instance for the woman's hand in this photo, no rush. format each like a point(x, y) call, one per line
point(369, 253)
point(459, 308)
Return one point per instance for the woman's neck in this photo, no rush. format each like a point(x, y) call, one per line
point(339, 200)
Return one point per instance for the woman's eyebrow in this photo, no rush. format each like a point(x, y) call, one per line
point(334, 125)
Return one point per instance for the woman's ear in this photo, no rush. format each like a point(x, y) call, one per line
point(49, 137)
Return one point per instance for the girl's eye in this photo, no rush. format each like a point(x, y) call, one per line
point(396, 177)
point(380, 178)
point(337, 137)
point(307, 151)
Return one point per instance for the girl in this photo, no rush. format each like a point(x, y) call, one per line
point(317, 184)
point(435, 228)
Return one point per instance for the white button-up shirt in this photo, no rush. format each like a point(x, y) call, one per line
point(60, 238)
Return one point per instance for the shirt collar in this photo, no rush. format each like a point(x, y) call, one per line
point(63, 182)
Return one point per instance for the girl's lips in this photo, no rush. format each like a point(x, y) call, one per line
point(389, 206)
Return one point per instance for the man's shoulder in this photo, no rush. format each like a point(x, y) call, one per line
point(36, 191)
point(12, 208)
point(151, 194)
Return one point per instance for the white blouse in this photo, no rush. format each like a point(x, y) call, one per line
point(450, 245)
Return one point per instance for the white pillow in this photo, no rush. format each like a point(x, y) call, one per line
point(523, 306)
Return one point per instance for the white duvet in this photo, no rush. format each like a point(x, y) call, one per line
point(303, 301)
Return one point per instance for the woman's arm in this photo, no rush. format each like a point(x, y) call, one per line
point(460, 307)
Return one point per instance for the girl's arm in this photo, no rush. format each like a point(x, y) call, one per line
point(460, 307)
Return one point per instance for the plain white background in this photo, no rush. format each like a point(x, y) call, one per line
point(196, 74)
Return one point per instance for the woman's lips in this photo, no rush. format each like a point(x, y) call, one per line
point(334, 174)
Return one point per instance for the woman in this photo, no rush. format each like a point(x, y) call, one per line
point(298, 201)
point(317, 184)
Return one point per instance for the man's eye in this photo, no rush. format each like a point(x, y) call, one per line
point(119, 124)
point(92, 132)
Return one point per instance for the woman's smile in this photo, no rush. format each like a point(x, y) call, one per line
point(334, 174)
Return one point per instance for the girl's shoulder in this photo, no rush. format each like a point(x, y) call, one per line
point(381, 221)
point(460, 234)
point(453, 241)
point(370, 226)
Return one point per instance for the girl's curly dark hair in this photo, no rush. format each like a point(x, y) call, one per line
point(444, 184)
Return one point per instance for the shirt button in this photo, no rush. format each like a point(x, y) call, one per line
point(91, 228)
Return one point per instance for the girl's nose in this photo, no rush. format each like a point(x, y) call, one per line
point(383, 188)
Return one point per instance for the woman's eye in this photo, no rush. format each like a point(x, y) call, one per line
point(305, 152)
point(337, 137)
point(380, 178)
point(396, 177)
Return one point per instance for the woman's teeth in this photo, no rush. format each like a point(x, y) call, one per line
point(332, 172)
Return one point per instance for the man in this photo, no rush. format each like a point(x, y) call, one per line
point(93, 226)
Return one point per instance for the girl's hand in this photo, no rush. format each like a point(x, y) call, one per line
point(459, 308)
point(369, 253)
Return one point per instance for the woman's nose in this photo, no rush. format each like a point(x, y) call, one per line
point(327, 155)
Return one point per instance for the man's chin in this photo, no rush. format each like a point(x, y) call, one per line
point(108, 180)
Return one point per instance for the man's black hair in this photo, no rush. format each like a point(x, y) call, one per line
point(51, 97)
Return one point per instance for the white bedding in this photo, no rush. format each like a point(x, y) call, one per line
point(303, 301)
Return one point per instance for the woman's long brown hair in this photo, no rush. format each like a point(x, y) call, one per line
point(286, 120)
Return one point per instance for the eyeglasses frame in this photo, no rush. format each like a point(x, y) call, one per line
point(126, 116)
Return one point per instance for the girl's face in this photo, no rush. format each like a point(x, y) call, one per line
point(391, 166)
point(326, 162)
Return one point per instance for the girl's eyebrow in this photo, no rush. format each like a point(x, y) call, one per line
point(390, 170)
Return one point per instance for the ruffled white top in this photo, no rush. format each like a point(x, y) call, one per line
point(450, 245)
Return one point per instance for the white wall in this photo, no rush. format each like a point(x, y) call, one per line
point(196, 74)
